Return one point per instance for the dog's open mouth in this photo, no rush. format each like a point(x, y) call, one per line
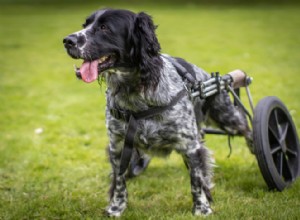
point(90, 70)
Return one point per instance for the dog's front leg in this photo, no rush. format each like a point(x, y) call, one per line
point(198, 161)
point(118, 192)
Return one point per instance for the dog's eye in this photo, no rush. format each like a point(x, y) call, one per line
point(103, 27)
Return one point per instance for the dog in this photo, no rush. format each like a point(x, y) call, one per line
point(121, 47)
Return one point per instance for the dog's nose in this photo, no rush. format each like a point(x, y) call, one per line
point(70, 41)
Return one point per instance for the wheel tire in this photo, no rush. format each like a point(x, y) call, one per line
point(276, 143)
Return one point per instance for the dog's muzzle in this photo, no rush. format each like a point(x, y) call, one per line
point(70, 41)
point(73, 44)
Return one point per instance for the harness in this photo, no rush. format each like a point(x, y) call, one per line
point(133, 117)
point(195, 88)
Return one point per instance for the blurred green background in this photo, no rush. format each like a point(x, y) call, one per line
point(53, 162)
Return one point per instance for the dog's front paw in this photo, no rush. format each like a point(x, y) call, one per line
point(202, 210)
point(114, 211)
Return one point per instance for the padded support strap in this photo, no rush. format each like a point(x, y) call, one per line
point(128, 145)
point(182, 71)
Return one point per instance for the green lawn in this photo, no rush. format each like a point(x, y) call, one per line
point(62, 172)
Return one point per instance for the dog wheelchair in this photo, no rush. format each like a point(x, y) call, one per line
point(275, 140)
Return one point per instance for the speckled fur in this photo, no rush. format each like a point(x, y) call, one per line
point(177, 129)
point(150, 79)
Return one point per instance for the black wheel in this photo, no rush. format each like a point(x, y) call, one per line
point(276, 144)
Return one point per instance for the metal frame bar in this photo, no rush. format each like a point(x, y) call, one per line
point(216, 84)
point(238, 101)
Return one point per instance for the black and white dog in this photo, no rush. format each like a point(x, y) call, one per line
point(121, 46)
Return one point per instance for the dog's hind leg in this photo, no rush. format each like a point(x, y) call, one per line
point(229, 117)
point(118, 191)
point(138, 163)
point(197, 159)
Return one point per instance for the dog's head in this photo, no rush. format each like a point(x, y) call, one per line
point(116, 39)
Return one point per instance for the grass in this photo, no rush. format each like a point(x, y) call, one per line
point(62, 172)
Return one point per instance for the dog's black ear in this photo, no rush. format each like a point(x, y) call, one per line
point(147, 50)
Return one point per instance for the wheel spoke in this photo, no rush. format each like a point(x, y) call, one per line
point(276, 117)
point(291, 152)
point(280, 163)
point(288, 171)
point(273, 126)
point(274, 133)
point(283, 129)
point(275, 149)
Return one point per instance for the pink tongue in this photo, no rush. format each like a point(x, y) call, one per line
point(89, 71)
